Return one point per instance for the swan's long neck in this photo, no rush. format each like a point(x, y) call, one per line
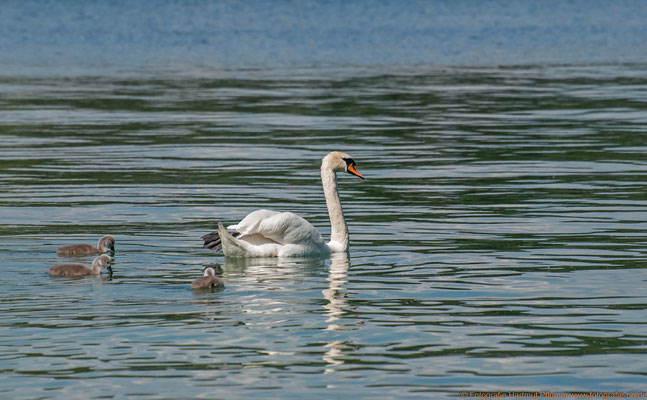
point(338, 228)
point(96, 266)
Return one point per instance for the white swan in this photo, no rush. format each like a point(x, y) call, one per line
point(266, 233)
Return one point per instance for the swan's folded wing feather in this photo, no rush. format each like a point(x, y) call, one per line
point(261, 231)
point(289, 228)
point(256, 239)
point(250, 224)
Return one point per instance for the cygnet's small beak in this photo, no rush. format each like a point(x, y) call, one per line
point(353, 171)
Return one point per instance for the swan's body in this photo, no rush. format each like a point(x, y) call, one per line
point(105, 243)
point(266, 233)
point(208, 281)
point(103, 261)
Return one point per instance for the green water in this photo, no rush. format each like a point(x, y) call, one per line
point(497, 244)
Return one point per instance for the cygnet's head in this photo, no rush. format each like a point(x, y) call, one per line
point(209, 271)
point(107, 243)
point(340, 162)
point(103, 261)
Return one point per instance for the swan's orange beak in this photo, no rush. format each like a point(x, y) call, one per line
point(353, 171)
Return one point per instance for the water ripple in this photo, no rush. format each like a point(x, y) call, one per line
point(498, 241)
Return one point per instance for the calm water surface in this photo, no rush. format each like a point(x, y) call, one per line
point(499, 241)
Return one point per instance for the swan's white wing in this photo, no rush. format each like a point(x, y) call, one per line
point(249, 225)
point(282, 228)
point(289, 228)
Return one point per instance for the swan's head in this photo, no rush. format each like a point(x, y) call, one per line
point(209, 271)
point(103, 261)
point(106, 243)
point(340, 162)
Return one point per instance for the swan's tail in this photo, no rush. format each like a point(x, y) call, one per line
point(213, 240)
point(230, 246)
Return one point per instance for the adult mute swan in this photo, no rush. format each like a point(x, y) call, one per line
point(266, 233)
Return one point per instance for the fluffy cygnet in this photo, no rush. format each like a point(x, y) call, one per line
point(103, 261)
point(208, 281)
point(105, 243)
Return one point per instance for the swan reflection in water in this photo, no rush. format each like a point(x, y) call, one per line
point(272, 269)
point(335, 308)
point(273, 273)
point(257, 277)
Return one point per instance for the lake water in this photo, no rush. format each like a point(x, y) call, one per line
point(498, 243)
